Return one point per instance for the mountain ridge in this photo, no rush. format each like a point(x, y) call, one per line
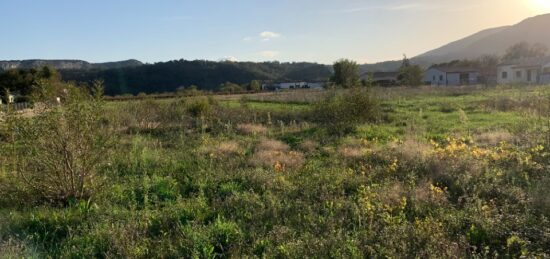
point(62, 64)
point(492, 41)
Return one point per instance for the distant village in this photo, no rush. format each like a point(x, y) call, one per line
point(535, 70)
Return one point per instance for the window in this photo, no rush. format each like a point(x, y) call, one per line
point(434, 78)
point(441, 78)
point(504, 75)
point(518, 74)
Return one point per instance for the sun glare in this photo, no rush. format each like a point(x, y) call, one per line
point(540, 5)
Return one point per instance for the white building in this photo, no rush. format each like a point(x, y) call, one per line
point(524, 71)
point(451, 76)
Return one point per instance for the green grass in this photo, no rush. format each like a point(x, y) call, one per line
point(180, 185)
point(268, 106)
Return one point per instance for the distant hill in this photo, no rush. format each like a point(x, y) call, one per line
point(493, 41)
point(132, 76)
point(65, 64)
point(207, 75)
point(461, 49)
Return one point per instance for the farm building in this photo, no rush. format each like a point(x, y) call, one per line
point(451, 76)
point(525, 71)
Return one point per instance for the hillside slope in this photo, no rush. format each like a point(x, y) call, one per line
point(65, 64)
point(493, 41)
point(207, 75)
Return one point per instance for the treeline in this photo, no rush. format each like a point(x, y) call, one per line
point(206, 75)
point(21, 82)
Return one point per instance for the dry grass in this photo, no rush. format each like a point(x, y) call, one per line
point(354, 149)
point(291, 96)
point(14, 249)
point(272, 145)
point(411, 150)
point(251, 129)
point(352, 152)
point(393, 195)
point(308, 146)
point(493, 138)
point(277, 155)
point(26, 113)
point(429, 193)
point(223, 149)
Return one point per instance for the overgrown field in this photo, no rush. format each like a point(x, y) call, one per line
point(397, 172)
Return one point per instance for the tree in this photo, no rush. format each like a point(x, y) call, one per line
point(525, 50)
point(369, 81)
point(255, 86)
point(487, 66)
point(192, 90)
point(229, 87)
point(410, 75)
point(346, 73)
point(23, 82)
point(406, 62)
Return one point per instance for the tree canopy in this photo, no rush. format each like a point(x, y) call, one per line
point(346, 73)
point(410, 75)
point(22, 82)
point(525, 50)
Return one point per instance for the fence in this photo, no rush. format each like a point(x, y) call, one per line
point(15, 106)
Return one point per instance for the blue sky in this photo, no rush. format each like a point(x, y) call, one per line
point(246, 30)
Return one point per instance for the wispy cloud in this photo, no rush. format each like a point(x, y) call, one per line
point(269, 53)
point(268, 35)
point(412, 7)
point(263, 36)
point(401, 6)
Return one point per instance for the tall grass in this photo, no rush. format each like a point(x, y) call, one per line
point(429, 172)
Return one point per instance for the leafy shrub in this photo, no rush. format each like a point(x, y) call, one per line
point(62, 149)
point(199, 107)
point(47, 229)
point(163, 189)
point(225, 235)
point(341, 112)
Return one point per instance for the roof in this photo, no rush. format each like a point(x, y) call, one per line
point(527, 62)
point(448, 69)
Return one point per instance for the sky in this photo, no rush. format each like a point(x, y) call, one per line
point(322, 31)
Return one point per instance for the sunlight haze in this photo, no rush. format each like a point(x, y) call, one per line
point(246, 30)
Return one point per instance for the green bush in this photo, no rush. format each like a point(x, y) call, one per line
point(342, 111)
point(163, 189)
point(225, 236)
point(61, 149)
point(199, 107)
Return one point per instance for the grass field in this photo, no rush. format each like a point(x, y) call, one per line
point(436, 172)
